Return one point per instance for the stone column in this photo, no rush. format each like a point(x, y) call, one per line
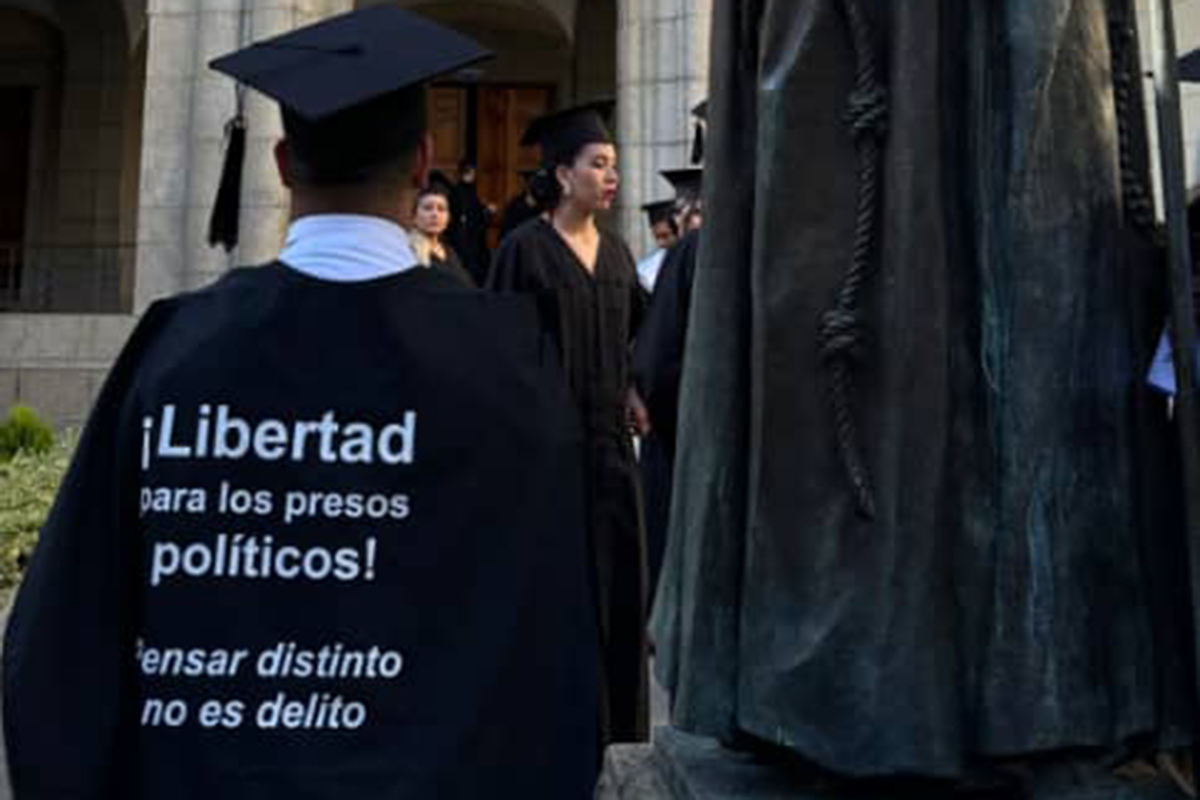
point(220, 24)
point(263, 223)
point(187, 106)
point(662, 72)
point(162, 257)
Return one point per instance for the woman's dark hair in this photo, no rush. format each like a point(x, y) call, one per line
point(544, 186)
point(544, 189)
point(433, 189)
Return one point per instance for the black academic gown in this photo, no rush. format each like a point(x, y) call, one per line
point(516, 213)
point(657, 367)
point(658, 357)
point(453, 266)
point(405, 460)
point(597, 315)
point(468, 230)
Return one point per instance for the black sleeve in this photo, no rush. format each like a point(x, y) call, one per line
point(658, 354)
point(639, 298)
point(69, 671)
point(517, 266)
point(454, 265)
point(514, 268)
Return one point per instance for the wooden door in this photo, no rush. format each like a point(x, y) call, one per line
point(448, 123)
point(496, 116)
point(504, 114)
point(16, 126)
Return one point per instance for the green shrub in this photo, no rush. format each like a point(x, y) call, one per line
point(28, 483)
point(24, 432)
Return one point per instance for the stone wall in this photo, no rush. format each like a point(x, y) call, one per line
point(595, 69)
point(662, 72)
point(82, 210)
point(90, 141)
point(57, 362)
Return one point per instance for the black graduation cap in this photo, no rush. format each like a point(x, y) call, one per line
point(561, 134)
point(1189, 67)
point(439, 178)
point(342, 80)
point(700, 112)
point(659, 211)
point(686, 181)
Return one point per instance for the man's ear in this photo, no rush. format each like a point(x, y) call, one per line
point(283, 162)
point(423, 161)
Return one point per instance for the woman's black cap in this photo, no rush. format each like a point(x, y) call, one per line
point(562, 134)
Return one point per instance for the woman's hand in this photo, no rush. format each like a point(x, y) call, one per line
point(636, 415)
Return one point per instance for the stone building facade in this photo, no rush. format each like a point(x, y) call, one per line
point(112, 133)
point(121, 132)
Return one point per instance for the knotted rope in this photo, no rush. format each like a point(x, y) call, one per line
point(1135, 196)
point(841, 331)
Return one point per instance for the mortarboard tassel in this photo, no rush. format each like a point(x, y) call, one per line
point(698, 145)
point(223, 226)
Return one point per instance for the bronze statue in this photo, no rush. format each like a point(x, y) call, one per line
point(925, 512)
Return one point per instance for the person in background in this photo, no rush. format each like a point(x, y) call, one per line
point(587, 275)
point(521, 208)
point(689, 206)
point(658, 361)
point(471, 217)
point(430, 220)
point(665, 229)
point(441, 180)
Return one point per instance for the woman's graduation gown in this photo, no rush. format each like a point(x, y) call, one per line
point(596, 315)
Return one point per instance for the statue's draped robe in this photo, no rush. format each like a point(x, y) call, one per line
point(1019, 589)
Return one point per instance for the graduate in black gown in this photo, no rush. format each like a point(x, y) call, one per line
point(658, 362)
point(658, 357)
point(431, 217)
point(323, 535)
point(660, 215)
point(588, 276)
point(470, 221)
point(521, 208)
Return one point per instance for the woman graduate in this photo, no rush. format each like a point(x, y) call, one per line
point(431, 217)
point(589, 279)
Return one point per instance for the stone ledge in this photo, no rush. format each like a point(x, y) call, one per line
point(63, 340)
point(678, 766)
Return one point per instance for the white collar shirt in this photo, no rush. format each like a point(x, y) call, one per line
point(347, 247)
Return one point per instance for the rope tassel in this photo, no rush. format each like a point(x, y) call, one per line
point(840, 335)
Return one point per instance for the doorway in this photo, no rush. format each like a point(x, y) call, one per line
point(16, 132)
point(484, 122)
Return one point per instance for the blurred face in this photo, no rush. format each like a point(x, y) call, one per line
point(591, 181)
point(690, 215)
point(664, 235)
point(433, 215)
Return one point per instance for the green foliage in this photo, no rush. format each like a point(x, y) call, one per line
point(28, 483)
point(24, 432)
